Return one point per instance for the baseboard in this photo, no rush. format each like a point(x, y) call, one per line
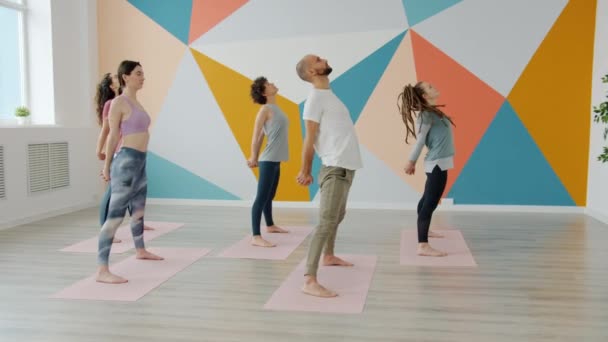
point(516, 209)
point(49, 214)
point(447, 205)
point(596, 215)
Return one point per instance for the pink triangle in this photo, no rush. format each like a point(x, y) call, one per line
point(208, 13)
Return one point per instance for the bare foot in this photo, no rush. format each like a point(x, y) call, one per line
point(116, 240)
point(332, 260)
point(276, 229)
point(432, 234)
point(145, 255)
point(425, 250)
point(106, 277)
point(148, 228)
point(315, 289)
point(260, 242)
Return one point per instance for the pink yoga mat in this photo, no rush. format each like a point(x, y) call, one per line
point(286, 243)
point(452, 243)
point(142, 275)
point(351, 284)
point(124, 233)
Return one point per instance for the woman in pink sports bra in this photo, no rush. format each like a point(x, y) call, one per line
point(126, 171)
point(107, 90)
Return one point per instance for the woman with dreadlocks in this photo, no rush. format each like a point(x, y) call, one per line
point(434, 129)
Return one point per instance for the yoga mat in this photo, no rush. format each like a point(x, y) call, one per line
point(286, 243)
point(452, 243)
point(142, 275)
point(351, 283)
point(123, 233)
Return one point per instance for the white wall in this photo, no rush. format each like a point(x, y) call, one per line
point(597, 190)
point(39, 65)
point(84, 190)
point(74, 60)
point(62, 42)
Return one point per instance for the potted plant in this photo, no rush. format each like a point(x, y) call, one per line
point(601, 116)
point(23, 114)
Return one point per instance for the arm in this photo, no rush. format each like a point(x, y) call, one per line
point(313, 112)
point(114, 120)
point(308, 150)
point(425, 127)
point(101, 140)
point(258, 136)
point(420, 140)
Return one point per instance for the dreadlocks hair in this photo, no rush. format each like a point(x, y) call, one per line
point(410, 101)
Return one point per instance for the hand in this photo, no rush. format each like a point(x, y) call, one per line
point(101, 156)
point(304, 179)
point(252, 162)
point(410, 168)
point(105, 174)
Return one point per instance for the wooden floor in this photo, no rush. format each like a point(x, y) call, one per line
point(541, 277)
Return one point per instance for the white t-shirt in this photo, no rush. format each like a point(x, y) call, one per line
point(336, 142)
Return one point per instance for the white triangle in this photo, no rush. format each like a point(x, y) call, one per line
point(277, 59)
point(271, 19)
point(494, 39)
point(376, 184)
point(191, 132)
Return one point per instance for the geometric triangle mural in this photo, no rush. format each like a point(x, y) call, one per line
point(173, 16)
point(356, 85)
point(208, 13)
point(418, 10)
point(231, 92)
point(168, 180)
point(552, 96)
point(515, 107)
point(513, 173)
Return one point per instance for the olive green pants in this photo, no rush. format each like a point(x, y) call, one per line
point(334, 184)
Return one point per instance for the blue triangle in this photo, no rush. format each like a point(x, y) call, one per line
point(168, 180)
point(507, 167)
point(419, 10)
point(174, 16)
point(355, 86)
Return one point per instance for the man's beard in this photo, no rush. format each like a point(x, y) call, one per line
point(327, 71)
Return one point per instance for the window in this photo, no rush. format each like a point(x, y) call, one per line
point(12, 58)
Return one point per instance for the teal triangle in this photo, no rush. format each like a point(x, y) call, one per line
point(316, 161)
point(419, 10)
point(168, 180)
point(174, 15)
point(355, 86)
point(508, 168)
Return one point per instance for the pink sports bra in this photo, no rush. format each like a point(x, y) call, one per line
point(138, 121)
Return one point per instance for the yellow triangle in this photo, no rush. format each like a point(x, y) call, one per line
point(231, 91)
point(553, 94)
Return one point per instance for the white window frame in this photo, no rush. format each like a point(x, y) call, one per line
point(22, 9)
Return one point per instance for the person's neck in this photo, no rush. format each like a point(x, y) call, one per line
point(321, 82)
point(431, 102)
point(271, 99)
point(130, 93)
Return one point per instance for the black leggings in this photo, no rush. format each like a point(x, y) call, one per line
point(270, 172)
point(433, 189)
